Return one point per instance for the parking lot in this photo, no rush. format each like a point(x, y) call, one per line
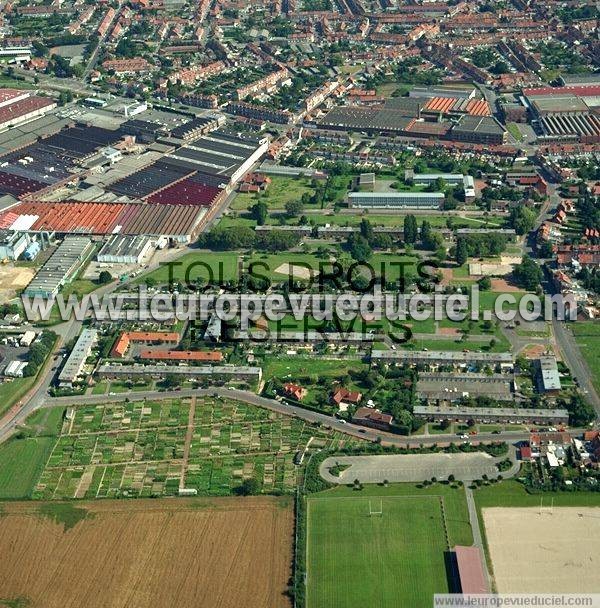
point(409, 467)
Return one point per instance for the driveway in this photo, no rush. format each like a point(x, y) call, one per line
point(410, 467)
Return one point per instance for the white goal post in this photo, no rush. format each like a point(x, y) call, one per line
point(373, 510)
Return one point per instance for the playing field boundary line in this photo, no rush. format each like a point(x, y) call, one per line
point(366, 497)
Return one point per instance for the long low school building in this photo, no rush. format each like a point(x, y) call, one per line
point(438, 413)
point(108, 370)
point(396, 200)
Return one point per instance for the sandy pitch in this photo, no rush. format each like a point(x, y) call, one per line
point(548, 553)
point(298, 272)
point(13, 279)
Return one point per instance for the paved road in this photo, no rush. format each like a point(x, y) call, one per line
point(298, 412)
point(571, 355)
point(94, 57)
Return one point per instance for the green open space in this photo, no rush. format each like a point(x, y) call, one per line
point(587, 335)
point(13, 390)
point(22, 458)
point(196, 265)
point(280, 191)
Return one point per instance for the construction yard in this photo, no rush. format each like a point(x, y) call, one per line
point(147, 554)
point(13, 279)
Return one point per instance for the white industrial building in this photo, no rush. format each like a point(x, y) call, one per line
point(15, 369)
point(27, 338)
point(81, 351)
point(452, 179)
point(12, 244)
point(122, 249)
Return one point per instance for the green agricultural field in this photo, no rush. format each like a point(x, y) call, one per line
point(354, 559)
point(224, 267)
point(587, 335)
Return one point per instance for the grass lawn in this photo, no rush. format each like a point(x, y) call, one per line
point(514, 130)
point(281, 366)
point(501, 346)
point(391, 552)
point(11, 392)
point(12, 83)
point(587, 335)
point(21, 463)
point(224, 267)
point(511, 493)
point(280, 191)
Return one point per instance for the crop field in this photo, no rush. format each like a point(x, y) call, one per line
point(147, 554)
point(355, 559)
point(153, 448)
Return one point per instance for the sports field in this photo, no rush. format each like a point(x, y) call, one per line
point(392, 559)
point(547, 550)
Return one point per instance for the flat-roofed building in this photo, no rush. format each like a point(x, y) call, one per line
point(61, 267)
point(471, 575)
point(453, 387)
point(438, 413)
point(456, 358)
point(123, 249)
point(479, 130)
point(396, 200)
point(240, 372)
point(548, 378)
point(81, 351)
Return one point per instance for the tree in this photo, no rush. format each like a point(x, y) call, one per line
point(545, 250)
point(528, 274)
point(360, 250)
point(259, 212)
point(522, 219)
point(461, 251)
point(171, 381)
point(294, 208)
point(105, 277)
point(485, 283)
point(425, 231)
point(366, 230)
point(581, 412)
point(410, 230)
point(248, 487)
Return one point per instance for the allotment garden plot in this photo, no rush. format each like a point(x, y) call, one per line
point(156, 448)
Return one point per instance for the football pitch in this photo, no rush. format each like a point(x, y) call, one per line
point(395, 558)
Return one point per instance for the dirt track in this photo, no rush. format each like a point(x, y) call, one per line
point(551, 552)
point(150, 554)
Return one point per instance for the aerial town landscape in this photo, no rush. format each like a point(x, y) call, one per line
point(299, 302)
